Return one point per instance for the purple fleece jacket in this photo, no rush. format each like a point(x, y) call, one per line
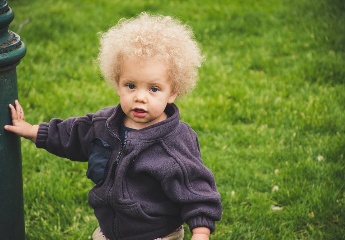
point(148, 186)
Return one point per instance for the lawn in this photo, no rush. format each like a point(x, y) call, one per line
point(269, 110)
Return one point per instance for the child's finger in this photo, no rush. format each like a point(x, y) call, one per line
point(14, 129)
point(13, 112)
point(20, 112)
point(9, 128)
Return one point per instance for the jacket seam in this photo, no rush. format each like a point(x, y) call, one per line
point(183, 169)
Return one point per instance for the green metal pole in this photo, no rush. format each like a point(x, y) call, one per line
point(12, 50)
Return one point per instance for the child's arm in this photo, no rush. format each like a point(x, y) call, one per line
point(19, 125)
point(201, 233)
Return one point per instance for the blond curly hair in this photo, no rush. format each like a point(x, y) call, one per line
point(148, 36)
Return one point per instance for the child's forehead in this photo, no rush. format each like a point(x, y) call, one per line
point(150, 70)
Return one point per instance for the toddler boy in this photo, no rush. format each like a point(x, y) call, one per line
point(145, 163)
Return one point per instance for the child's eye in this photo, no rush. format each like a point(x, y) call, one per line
point(130, 85)
point(154, 89)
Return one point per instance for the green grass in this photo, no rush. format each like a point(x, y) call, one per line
point(269, 110)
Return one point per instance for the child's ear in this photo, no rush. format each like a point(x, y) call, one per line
point(172, 97)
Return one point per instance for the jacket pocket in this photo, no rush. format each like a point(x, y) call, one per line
point(98, 159)
point(135, 211)
point(132, 221)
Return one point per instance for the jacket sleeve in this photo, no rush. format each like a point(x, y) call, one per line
point(190, 184)
point(68, 138)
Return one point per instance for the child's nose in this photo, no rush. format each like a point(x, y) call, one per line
point(141, 96)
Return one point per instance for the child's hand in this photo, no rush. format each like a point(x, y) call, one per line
point(19, 125)
point(200, 236)
point(201, 233)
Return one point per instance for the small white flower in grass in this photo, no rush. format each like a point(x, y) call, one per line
point(320, 158)
point(276, 208)
point(275, 188)
point(232, 193)
point(276, 172)
point(78, 210)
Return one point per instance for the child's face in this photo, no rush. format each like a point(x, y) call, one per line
point(144, 90)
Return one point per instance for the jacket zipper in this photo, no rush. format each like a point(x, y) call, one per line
point(114, 168)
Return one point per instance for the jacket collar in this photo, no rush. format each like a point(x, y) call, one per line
point(153, 132)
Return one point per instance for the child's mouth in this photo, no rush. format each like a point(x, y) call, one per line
point(139, 112)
